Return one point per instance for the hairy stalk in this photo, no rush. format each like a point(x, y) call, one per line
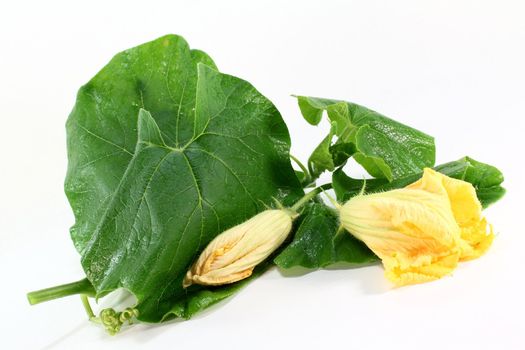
point(332, 200)
point(310, 195)
point(79, 287)
point(307, 174)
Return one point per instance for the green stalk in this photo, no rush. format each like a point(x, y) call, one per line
point(87, 307)
point(80, 287)
point(309, 196)
point(301, 165)
point(307, 177)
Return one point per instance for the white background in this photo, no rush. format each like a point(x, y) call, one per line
point(455, 69)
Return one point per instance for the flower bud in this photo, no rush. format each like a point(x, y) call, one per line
point(422, 231)
point(232, 255)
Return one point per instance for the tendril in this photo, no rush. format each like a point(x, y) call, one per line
point(128, 315)
point(113, 320)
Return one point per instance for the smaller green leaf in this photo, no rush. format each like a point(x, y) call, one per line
point(485, 178)
point(384, 147)
point(321, 159)
point(319, 242)
point(341, 152)
point(328, 156)
point(311, 112)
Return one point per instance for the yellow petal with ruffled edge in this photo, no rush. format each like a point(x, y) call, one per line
point(476, 235)
point(422, 231)
point(413, 232)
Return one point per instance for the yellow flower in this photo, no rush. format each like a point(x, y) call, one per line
point(233, 254)
point(422, 231)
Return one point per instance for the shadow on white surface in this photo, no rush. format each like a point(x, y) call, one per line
point(74, 331)
point(369, 282)
point(154, 330)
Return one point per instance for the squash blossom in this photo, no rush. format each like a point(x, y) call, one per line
point(232, 255)
point(422, 231)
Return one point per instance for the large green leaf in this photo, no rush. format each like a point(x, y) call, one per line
point(319, 242)
point(384, 147)
point(485, 178)
point(211, 152)
point(160, 76)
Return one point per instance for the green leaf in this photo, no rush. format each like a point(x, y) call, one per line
point(485, 178)
point(321, 159)
point(160, 76)
point(341, 151)
point(311, 112)
point(328, 156)
point(206, 152)
point(318, 242)
point(385, 148)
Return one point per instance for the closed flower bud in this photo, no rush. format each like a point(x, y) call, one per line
point(233, 254)
point(422, 231)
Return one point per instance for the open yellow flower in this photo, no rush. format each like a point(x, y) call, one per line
point(233, 254)
point(422, 231)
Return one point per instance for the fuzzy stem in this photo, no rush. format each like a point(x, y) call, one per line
point(79, 287)
point(309, 196)
point(332, 200)
point(307, 177)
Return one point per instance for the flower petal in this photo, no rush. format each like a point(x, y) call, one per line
point(403, 270)
point(466, 209)
point(422, 231)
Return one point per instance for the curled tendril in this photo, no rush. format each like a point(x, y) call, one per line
point(113, 320)
point(128, 314)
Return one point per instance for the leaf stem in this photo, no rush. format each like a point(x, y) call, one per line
point(298, 162)
point(310, 195)
point(332, 200)
point(307, 175)
point(79, 287)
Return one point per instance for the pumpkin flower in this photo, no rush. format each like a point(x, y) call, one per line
point(232, 255)
point(422, 231)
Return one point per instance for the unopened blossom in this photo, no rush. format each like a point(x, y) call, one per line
point(233, 254)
